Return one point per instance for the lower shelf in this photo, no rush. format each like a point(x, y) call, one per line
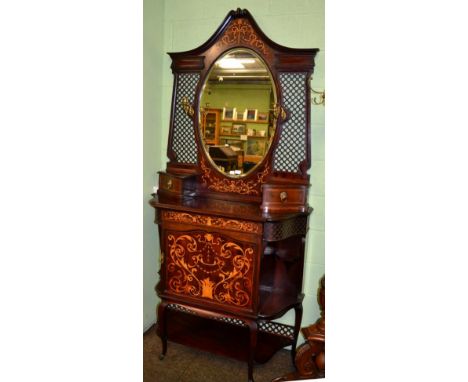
point(227, 339)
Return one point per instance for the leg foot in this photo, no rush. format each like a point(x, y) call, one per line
point(161, 356)
point(297, 327)
point(162, 327)
point(253, 344)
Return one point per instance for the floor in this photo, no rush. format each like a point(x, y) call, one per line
point(184, 364)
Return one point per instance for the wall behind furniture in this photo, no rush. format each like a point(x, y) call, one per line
point(293, 23)
point(240, 97)
point(153, 52)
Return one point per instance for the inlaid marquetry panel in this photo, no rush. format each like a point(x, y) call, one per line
point(222, 184)
point(210, 266)
point(241, 32)
point(213, 221)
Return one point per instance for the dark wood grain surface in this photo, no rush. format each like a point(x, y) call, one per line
point(232, 249)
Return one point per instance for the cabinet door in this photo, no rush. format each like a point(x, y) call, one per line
point(210, 267)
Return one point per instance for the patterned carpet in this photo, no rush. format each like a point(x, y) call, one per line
point(184, 364)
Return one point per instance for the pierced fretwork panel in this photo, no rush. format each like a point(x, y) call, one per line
point(293, 143)
point(183, 142)
point(276, 328)
point(232, 321)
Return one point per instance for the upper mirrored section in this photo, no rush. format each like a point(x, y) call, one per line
point(236, 119)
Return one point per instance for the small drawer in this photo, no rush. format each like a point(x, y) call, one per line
point(175, 184)
point(170, 183)
point(285, 198)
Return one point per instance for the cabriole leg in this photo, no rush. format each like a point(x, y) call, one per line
point(297, 327)
point(253, 344)
point(162, 327)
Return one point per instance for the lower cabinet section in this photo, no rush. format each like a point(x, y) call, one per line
point(224, 280)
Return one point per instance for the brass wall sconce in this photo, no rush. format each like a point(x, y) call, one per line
point(321, 98)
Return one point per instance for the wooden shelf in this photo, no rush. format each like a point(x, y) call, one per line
point(242, 121)
point(276, 303)
point(224, 338)
point(238, 136)
point(229, 135)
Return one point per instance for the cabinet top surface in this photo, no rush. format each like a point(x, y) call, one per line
point(211, 206)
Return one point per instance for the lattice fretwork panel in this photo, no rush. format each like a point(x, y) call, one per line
point(292, 145)
point(183, 142)
point(181, 308)
point(286, 228)
point(232, 321)
point(276, 328)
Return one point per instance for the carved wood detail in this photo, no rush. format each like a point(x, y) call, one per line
point(213, 221)
point(211, 267)
point(241, 32)
point(243, 187)
point(310, 356)
point(215, 230)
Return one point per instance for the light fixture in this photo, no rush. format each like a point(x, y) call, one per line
point(230, 63)
point(321, 98)
point(234, 63)
point(242, 77)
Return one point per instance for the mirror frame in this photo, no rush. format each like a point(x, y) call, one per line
point(188, 159)
point(199, 121)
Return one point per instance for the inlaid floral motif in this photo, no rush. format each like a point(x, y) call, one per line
point(251, 187)
point(241, 32)
point(211, 267)
point(213, 221)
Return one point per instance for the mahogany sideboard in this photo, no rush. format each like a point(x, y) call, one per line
point(232, 243)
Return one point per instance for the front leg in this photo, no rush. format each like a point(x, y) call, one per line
point(162, 327)
point(253, 327)
point(297, 327)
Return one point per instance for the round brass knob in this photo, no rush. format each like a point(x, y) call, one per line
point(284, 196)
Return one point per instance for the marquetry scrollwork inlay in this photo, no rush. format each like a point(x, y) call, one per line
point(251, 187)
point(213, 221)
point(241, 32)
point(211, 267)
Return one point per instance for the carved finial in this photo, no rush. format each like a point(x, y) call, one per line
point(240, 12)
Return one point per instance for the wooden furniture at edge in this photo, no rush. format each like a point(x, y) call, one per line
point(310, 356)
point(232, 249)
point(210, 125)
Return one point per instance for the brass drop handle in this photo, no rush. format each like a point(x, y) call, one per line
point(169, 184)
point(161, 258)
point(283, 196)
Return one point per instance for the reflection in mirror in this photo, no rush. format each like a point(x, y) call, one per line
point(236, 122)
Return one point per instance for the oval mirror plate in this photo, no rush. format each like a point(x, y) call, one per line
point(236, 122)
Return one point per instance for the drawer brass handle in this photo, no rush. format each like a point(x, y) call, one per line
point(161, 258)
point(283, 196)
point(169, 184)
